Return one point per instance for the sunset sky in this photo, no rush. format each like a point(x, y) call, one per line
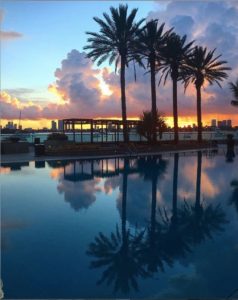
point(45, 74)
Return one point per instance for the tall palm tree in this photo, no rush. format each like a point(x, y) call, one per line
point(234, 89)
point(173, 57)
point(203, 67)
point(115, 42)
point(151, 40)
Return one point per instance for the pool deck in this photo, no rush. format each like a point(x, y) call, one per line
point(30, 156)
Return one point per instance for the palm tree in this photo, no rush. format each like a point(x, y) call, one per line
point(115, 42)
point(173, 57)
point(234, 89)
point(151, 40)
point(203, 66)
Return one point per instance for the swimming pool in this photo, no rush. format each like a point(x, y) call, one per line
point(151, 227)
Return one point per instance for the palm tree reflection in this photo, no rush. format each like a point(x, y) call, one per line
point(234, 196)
point(175, 236)
point(119, 254)
point(127, 257)
point(153, 252)
point(201, 221)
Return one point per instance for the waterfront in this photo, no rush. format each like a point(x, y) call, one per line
point(99, 137)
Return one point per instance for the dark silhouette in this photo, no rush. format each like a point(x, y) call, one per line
point(55, 164)
point(234, 197)
point(153, 251)
point(230, 153)
point(127, 257)
point(145, 127)
point(15, 166)
point(116, 43)
point(234, 89)
point(119, 254)
point(200, 222)
point(203, 66)
point(151, 40)
point(173, 58)
point(175, 241)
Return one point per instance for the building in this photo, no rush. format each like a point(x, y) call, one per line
point(53, 126)
point(10, 125)
point(224, 124)
point(60, 125)
point(229, 123)
point(214, 123)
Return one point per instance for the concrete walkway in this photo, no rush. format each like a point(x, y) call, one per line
point(27, 157)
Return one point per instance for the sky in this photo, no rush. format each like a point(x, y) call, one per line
point(45, 73)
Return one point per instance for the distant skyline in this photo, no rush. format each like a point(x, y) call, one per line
point(45, 74)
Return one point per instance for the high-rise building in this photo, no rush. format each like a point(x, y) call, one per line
point(10, 125)
point(53, 125)
point(60, 125)
point(229, 123)
point(224, 123)
point(214, 123)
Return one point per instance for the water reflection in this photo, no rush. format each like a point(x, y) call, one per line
point(148, 226)
point(119, 254)
point(230, 153)
point(234, 197)
point(14, 166)
point(125, 257)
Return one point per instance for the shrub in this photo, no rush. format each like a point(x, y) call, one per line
point(57, 137)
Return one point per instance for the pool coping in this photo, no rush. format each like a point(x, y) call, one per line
point(27, 157)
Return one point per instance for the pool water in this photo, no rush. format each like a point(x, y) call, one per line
point(151, 227)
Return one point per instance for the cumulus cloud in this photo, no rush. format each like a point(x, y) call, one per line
point(213, 24)
point(81, 86)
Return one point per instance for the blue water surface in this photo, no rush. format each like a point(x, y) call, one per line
point(147, 227)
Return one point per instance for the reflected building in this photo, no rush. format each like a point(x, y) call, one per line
point(16, 166)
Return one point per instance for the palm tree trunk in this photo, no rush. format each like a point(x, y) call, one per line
point(198, 183)
point(153, 98)
point(153, 206)
point(123, 99)
point(175, 187)
point(124, 198)
point(175, 110)
point(199, 114)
